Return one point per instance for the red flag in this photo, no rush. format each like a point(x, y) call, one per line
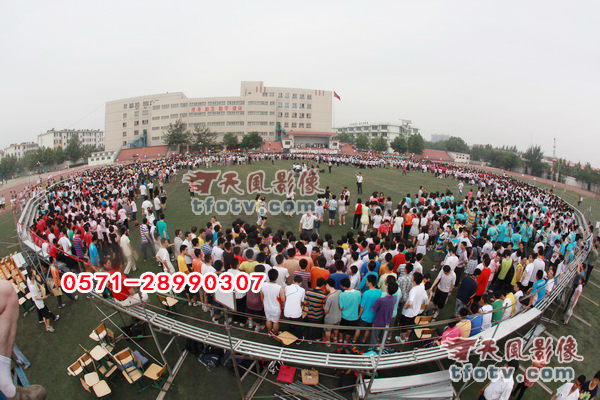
point(336, 96)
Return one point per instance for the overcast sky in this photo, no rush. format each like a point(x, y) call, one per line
point(499, 72)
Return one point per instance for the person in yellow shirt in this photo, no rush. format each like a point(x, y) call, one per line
point(182, 267)
point(464, 324)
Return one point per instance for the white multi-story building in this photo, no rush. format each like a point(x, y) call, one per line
point(19, 150)
point(386, 130)
point(142, 121)
point(60, 138)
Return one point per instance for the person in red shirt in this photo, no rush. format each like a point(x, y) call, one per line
point(126, 296)
point(399, 258)
point(482, 281)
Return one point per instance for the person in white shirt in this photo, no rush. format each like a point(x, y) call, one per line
point(307, 222)
point(162, 256)
point(292, 310)
point(269, 294)
point(569, 391)
point(486, 309)
point(500, 387)
point(125, 244)
point(451, 259)
point(416, 296)
point(442, 287)
point(38, 299)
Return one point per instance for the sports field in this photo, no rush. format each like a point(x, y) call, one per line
point(50, 354)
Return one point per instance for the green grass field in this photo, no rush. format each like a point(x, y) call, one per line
point(50, 354)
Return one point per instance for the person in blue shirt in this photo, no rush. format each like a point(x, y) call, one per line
point(366, 313)
point(363, 283)
point(476, 319)
point(538, 291)
point(515, 239)
point(93, 252)
point(349, 304)
point(338, 275)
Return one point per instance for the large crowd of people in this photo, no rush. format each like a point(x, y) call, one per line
point(492, 245)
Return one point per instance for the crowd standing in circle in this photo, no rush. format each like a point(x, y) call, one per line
point(500, 247)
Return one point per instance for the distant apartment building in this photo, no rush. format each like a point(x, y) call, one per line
point(439, 137)
point(19, 150)
point(143, 121)
point(60, 138)
point(386, 130)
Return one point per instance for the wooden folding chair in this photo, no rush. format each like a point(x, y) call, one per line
point(423, 320)
point(108, 370)
point(424, 333)
point(100, 389)
point(75, 369)
point(167, 301)
point(131, 368)
point(155, 372)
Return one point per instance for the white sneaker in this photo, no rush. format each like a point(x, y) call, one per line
point(76, 297)
point(251, 325)
point(56, 317)
point(205, 308)
point(215, 320)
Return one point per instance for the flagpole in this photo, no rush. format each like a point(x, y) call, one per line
point(333, 101)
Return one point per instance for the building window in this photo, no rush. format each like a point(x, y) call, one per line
point(235, 112)
point(146, 103)
point(287, 105)
point(294, 115)
point(183, 105)
point(164, 117)
point(137, 105)
point(280, 95)
point(156, 107)
point(164, 106)
point(124, 142)
point(308, 125)
point(124, 134)
point(301, 96)
point(236, 103)
point(124, 106)
point(124, 124)
point(301, 115)
point(258, 113)
point(124, 115)
point(155, 137)
point(155, 128)
point(309, 97)
point(174, 105)
point(265, 94)
point(258, 103)
point(174, 115)
point(301, 125)
point(286, 124)
point(144, 122)
point(294, 105)
point(215, 103)
point(294, 96)
point(136, 114)
point(136, 123)
point(182, 115)
point(293, 125)
point(145, 112)
point(130, 105)
point(235, 123)
point(135, 133)
point(145, 131)
point(155, 118)
point(280, 114)
point(287, 114)
point(287, 95)
point(301, 105)
point(308, 106)
point(308, 115)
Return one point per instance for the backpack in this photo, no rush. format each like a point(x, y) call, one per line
point(209, 360)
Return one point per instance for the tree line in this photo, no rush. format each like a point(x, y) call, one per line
point(46, 158)
point(201, 138)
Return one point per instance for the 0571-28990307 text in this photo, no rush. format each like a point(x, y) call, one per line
point(162, 282)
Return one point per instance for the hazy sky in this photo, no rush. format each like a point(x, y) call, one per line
point(499, 72)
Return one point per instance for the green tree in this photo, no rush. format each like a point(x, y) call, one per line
point(8, 166)
point(362, 142)
point(507, 160)
point(457, 145)
point(74, 149)
point(345, 137)
point(379, 145)
point(58, 155)
point(230, 141)
point(534, 160)
point(399, 145)
point(203, 138)
point(177, 135)
point(416, 144)
point(251, 140)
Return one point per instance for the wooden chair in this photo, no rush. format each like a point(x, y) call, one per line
point(131, 368)
point(155, 372)
point(424, 333)
point(100, 389)
point(167, 301)
point(423, 320)
point(75, 369)
point(101, 333)
point(85, 360)
point(108, 370)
